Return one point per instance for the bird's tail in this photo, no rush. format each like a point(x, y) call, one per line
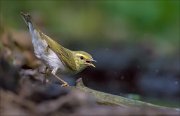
point(26, 17)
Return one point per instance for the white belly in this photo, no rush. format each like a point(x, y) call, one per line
point(49, 58)
point(53, 61)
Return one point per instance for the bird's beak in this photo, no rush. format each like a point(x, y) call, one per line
point(93, 60)
point(92, 65)
point(89, 63)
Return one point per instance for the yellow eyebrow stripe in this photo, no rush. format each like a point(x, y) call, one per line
point(82, 55)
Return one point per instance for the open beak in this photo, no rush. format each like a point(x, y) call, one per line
point(89, 63)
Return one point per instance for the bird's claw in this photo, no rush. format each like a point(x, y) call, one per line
point(65, 85)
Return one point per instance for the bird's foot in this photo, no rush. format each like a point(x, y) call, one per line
point(65, 85)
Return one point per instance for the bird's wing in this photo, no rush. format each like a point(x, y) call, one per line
point(64, 54)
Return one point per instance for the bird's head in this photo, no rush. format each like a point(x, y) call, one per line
point(83, 59)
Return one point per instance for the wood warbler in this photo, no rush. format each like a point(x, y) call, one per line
point(57, 58)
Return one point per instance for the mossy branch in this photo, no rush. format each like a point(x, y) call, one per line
point(109, 99)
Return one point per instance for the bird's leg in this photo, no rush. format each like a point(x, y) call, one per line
point(46, 72)
point(64, 82)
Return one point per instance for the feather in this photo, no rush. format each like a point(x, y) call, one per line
point(64, 54)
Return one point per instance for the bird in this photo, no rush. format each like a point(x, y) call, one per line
point(56, 58)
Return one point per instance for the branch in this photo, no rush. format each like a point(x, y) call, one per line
point(109, 99)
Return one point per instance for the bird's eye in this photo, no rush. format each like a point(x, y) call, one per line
point(81, 57)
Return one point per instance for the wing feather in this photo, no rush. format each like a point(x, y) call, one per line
point(64, 54)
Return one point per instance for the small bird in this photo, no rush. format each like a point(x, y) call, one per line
point(57, 58)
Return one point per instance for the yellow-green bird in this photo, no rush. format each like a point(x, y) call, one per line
point(56, 57)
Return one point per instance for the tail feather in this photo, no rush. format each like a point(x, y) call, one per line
point(26, 17)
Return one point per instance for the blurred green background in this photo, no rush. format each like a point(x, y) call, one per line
point(106, 22)
point(136, 43)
